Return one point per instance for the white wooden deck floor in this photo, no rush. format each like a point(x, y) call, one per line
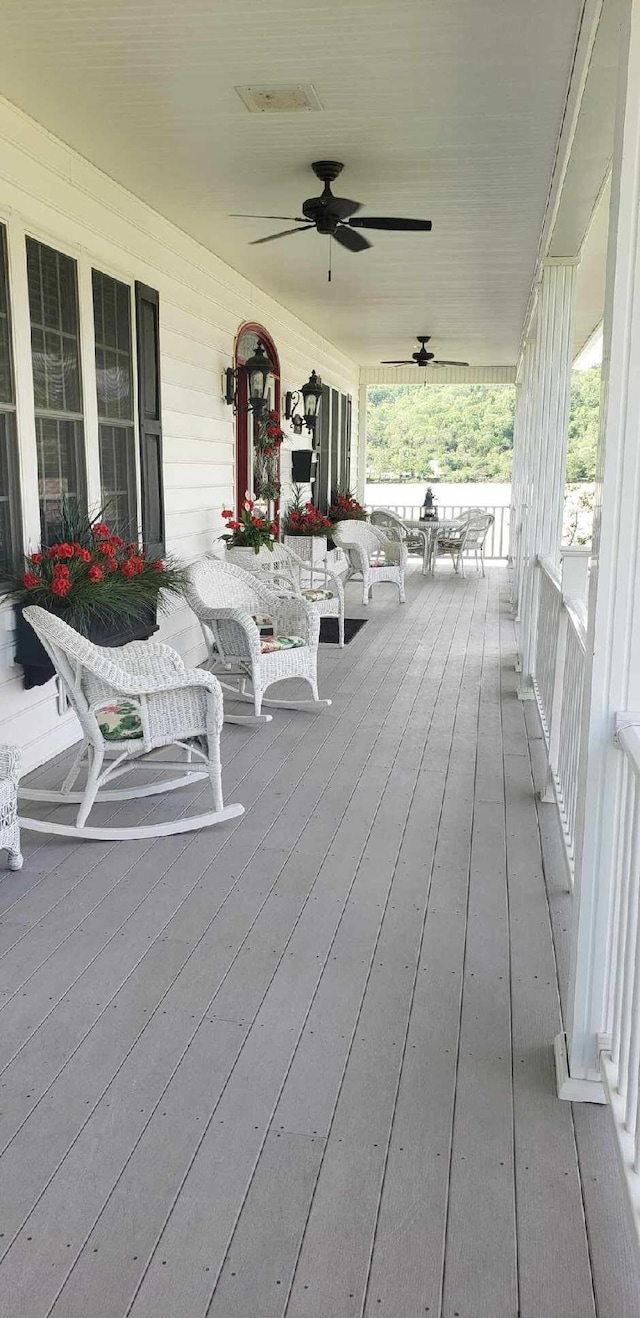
point(302, 1065)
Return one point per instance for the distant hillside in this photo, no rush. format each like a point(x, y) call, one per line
point(464, 432)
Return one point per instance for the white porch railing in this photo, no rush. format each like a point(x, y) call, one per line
point(558, 682)
point(497, 542)
point(620, 1051)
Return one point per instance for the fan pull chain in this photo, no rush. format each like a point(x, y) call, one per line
point(329, 270)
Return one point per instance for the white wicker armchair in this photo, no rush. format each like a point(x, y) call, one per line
point(231, 604)
point(131, 701)
point(417, 541)
point(372, 554)
point(283, 570)
point(9, 826)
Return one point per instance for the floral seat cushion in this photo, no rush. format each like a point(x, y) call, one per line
point(381, 560)
point(263, 623)
point(119, 722)
point(314, 596)
point(269, 644)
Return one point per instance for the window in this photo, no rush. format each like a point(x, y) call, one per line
point(9, 499)
point(114, 382)
point(55, 354)
point(150, 417)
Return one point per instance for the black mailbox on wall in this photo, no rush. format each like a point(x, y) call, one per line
point(303, 465)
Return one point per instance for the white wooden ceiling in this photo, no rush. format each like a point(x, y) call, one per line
point(446, 109)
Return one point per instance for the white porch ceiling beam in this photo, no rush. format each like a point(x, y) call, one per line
point(446, 375)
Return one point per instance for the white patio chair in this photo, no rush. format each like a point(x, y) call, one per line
point(131, 701)
point(9, 826)
point(231, 606)
point(284, 570)
point(416, 540)
point(478, 528)
point(450, 542)
point(372, 554)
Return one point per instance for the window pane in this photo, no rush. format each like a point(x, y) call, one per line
point(114, 367)
point(60, 471)
point(53, 305)
point(118, 473)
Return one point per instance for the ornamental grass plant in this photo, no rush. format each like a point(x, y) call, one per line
point(88, 574)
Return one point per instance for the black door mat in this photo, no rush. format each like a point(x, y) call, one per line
point(329, 629)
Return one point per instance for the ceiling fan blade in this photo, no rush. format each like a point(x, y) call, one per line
point(403, 363)
point(390, 222)
point(342, 207)
point(443, 363)
point(242, 215)
point(354, 242)
point(272, 236)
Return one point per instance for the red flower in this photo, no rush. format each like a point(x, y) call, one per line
point(268, 453)
point(278, 441)
point(227, 513)
point(248, 504)
point(234, 526)
point(132, 548)
point(61, 586)
point(117, 541)
point(101, 529)
point(137, 564)
point(274, 528)
point(158, 565)
point(107, 548)
point(30, 579)
point(63, 550)
point(95, 573)
point(60, 570)
point(128, 570)
point(110, 565)
point(272, 431)
point(259, 522)
point(84, 555)
point(36, 558)
point(273, 416)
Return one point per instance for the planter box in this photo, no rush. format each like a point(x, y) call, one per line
point(312, 548)
point(35, 661)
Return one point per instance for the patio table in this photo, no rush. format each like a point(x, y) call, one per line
point(430, 529)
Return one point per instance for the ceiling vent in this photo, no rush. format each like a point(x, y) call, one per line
point(279, 100)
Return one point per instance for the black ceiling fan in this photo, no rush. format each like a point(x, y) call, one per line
point(422, 357)
point(336, 216)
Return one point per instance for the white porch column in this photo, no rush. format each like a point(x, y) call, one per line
point(361, 479)
point(551, 385)
point(612, 681)
point(522, 462)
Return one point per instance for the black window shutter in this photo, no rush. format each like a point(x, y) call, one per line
point(335, 441)
point(150, 417)
point(345, 442)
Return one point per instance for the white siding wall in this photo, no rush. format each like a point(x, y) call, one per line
point(48, 191)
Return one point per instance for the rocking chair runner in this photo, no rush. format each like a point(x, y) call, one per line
point(374, 555)
point(130, 702)
point(230, 604)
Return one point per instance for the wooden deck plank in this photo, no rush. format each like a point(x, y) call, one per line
point(218, 1030)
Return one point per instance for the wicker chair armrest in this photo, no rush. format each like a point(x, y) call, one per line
point(284, 577)
point(357, 555)
point(128, 684)
point(10, 759)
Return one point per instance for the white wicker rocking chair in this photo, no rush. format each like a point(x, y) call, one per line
point(9, 827)
point(230, 605)
point(131, 701)
point(372, 554)
point(285, 570)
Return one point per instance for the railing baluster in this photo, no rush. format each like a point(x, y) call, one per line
point(629, 961)
point(629, 788)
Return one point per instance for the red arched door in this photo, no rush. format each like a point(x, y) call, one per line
point(246, 343)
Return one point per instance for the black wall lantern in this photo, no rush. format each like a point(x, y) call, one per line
point(257, 368)
point(311, 394)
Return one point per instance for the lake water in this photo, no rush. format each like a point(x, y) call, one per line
point(467, 494)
